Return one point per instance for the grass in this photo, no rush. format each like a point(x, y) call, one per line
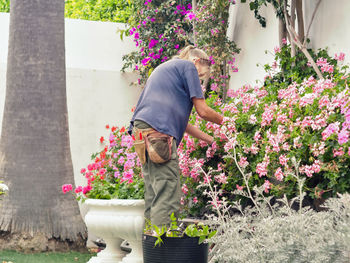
point(72, 257)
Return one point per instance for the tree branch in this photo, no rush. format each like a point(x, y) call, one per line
point(295, 38)
point(312, 19)
point(194, 8)
point(292, 24)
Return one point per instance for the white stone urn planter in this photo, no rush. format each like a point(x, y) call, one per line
point(113, 221)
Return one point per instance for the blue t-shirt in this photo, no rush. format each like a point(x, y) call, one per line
point(166, 101)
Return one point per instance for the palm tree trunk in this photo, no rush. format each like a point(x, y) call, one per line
point(35, 158)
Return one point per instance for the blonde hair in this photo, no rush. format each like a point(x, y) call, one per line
point(190, 51)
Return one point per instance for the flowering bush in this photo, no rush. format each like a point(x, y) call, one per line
point(211, 23)
point(161, 28)
point(115, 171)
point(293, 115)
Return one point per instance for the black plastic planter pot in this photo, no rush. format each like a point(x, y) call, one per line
point(174, 250)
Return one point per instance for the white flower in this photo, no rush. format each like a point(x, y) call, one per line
point(3, 187)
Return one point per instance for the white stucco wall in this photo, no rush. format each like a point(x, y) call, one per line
point(331, 26)
point(97, 92)
point(253, 40)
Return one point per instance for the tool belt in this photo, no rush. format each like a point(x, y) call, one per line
point(157, 144)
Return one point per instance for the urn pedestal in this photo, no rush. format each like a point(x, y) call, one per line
point(113, 221)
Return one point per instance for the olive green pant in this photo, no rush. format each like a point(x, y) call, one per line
point(162, 186)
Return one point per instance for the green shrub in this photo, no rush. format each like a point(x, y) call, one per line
point(96, 10)
point(5, 6)
point(99, 10)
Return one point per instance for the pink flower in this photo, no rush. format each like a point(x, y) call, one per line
point(132, 30)
point(145, 61)
point(216, 203)
point(102, 171)
point(128, 175)
point(267, 186)
point(332, 128)
point(261, 168)
point(316, 166)
point(283, 160)
point(324, 65)
point(286, 146)
point(306, 169)
point(66, 188)
point(221, 178)
point(279, 174)
point(343, 136)
point(240, 188)
point(252, 119)
point(83, 170)
point(116, 174)
point(152, 43)
point(214, 86)
point(86, 189)
point(91, 167)
point(121, 160)
point(176, 46)
point(281, 117)
point(338, 152)
point(254, 149)
point(195, 200)
point(257, 136)
point(268, 114)
point(243, 162)
point(340, 57)
point(191, 16)
point(308, 99)
point(78, 189)
point(184, 189)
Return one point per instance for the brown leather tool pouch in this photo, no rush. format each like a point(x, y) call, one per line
point(158, 146)
point(139, 143)
point(140, 148)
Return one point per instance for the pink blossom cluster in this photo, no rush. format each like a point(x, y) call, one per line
point(309, 170)
point(331, 129)
point(116, 161)
point(243, 162)
point(261, 168)
point(67, 188)
point(324, 65)
point(340, 57)
point(268, 114)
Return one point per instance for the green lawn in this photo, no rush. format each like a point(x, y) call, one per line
point(14, 257)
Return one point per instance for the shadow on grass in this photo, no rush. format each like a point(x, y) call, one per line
point(49, 257)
